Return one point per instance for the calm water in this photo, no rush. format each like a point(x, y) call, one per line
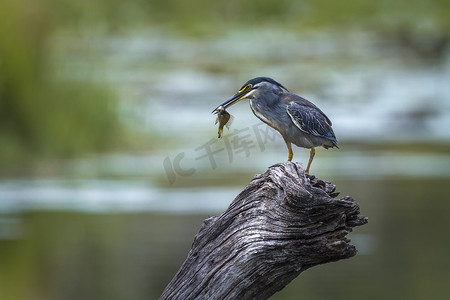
point(118, 226)
point(73, 255)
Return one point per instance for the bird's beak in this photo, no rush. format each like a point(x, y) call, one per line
point(242, 94)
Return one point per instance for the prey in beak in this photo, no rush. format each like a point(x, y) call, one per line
point(224, 119)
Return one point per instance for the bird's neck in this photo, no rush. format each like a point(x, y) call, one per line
point(263, 113)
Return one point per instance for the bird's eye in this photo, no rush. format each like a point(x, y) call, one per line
point(248, 87)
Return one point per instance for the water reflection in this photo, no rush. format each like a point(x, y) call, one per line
point(402, 249)
point(116, 183)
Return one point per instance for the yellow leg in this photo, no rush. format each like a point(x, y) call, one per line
point(291, 154)
point(311, 156)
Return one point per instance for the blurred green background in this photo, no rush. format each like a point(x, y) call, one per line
point(105, 128)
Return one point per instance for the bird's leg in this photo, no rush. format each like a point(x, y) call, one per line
point(311, 156)
point(291, 154)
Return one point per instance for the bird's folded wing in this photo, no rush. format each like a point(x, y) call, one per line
point(310, 120)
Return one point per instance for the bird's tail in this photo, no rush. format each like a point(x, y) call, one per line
point(333, 144)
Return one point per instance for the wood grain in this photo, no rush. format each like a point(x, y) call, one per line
point(281, 224)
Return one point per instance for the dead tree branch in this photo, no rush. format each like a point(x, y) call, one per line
point(281, 224)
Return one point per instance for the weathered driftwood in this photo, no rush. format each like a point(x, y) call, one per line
point(281, 224)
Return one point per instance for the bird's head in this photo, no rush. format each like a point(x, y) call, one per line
point(251, 89)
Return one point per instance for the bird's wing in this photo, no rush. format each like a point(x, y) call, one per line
point(308, 118)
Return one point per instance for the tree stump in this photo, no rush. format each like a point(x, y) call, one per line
point(281, 224)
